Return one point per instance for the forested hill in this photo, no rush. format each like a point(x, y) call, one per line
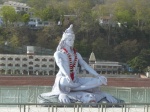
point(115, 30)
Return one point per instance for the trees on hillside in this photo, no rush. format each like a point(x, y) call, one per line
point(123, 37)
point(9, 14)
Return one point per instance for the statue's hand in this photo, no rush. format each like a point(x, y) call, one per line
point(63, 98)
point(103, 79)
point(110, 98)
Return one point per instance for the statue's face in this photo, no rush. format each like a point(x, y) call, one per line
point(70, 40)
point(88, 98)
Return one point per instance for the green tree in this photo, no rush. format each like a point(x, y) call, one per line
point(48, 13)
point(102, 50)
point(137, 63)
point(25, 18)
point(14, 41)
point(142, 12)
point(142, 61)
point(38, 4)
point(83, 11)
point(123, 11)
point(123, 50)
point(9, 14)
point(83, 47)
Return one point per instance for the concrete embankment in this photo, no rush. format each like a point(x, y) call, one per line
point(49, 81)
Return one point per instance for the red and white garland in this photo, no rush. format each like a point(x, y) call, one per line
point(72, 65)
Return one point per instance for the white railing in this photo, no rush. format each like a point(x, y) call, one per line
point(24, 99)
point(27, 107)
point(28, 94)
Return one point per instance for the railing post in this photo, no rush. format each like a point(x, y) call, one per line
point(77, 107)
point(20, 107)
point(74, 108)
point(101, 107)
point(98, 108)
point(124, 108)
point(52, 108)
point(147, 108)
point(48, 108)
point(81, 107)
point(24, 107)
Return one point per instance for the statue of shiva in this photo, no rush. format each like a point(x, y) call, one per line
point(68, 87)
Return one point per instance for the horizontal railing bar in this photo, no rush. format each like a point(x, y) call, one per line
point(72, 104)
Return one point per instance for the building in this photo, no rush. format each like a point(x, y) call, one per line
point(27, 64)
point(104, 67)
point(37, 23)
point(17, 6)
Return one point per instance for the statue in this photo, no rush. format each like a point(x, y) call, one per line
point(68, 86)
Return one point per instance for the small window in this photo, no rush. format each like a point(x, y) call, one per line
point(44, 59)
point(17, 65)
point(36, 65)
point(17, 59)
point(51, 65)
point(30, 57)
point(2, 64)
point(51, 59)
point(24, 65)
point(44, 66)
point(10, 58)
point(10, 64)
point(30, 68)
point(37, 59)
point(24, 59)
point(31, 63)
point(3, 58)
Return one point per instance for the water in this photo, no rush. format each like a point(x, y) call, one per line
point(28, 94)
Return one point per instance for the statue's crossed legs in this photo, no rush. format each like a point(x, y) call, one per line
point(79, 84)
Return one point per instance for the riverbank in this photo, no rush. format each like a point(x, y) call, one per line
point(49, 81)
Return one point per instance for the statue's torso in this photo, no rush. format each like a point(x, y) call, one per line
point(65, 60)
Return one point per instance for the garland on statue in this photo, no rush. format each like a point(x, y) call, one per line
point(72, 65)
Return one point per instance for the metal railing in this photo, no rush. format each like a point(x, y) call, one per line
point(24, 99)
point(28, 94)
point(75, 107)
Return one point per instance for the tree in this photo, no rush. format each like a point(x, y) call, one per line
point(137, 63)
point(123, 50)
point(14, 41)
point(25, 18)
point(38, 4)
point(9, 14)
point(102, 50)
point(83, 47)
point(83, 11)
point(142, 10)
point(123, 11)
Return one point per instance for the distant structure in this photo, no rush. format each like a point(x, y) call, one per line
point(17, 6)
point(32, 64)
point(29, 63)
point(104, 67)
point(92, 59)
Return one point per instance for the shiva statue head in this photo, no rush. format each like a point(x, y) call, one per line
point(67, 39)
